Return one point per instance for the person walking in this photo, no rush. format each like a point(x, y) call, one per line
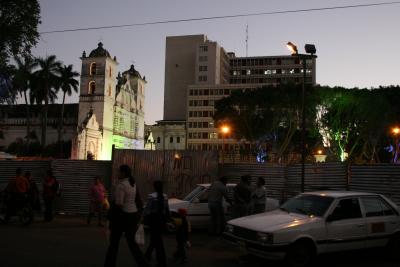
point(182, 235)
point(242, 197)
point(33, 192)
point(124, 216)
point(218, 192)
point(156, 216)
point(50, 188)
point(97, 195)
point(259, 196)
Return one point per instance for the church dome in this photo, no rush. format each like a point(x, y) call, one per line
point(132, 72)
point(99, 51)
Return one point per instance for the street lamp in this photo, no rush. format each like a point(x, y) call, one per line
point(225, 129)
point(310, 51)
point(395, 132)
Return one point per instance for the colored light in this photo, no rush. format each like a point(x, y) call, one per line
point(396, 130)
point(225, 129)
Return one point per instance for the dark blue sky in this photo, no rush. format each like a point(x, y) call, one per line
point(355, 47)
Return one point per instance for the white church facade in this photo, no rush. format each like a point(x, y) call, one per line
point(111, 107)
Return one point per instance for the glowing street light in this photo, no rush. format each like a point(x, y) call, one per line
point(395, 130)
point(292, 48)
point(225, 129)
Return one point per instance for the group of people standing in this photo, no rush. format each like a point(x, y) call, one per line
point(127, 212)
point(22, 189)
point(246, 200)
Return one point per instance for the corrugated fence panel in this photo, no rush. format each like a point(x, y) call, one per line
point(379, 178)
point(274, 176)
point(75, 177)
point(180, 170)
point(332, 176)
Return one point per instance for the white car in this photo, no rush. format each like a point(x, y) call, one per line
point(196, 204)
point(319, 222)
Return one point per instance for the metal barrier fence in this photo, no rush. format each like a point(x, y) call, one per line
point(180, 171)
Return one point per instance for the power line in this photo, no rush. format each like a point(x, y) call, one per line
point(222, 17)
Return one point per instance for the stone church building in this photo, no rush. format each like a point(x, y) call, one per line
point(111, 107)
point(110, 111)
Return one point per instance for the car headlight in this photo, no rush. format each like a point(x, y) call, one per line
point(265, 238)
point(229, 229)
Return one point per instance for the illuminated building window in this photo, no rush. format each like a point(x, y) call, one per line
point(92, 70)
point(267, 72)
point(248, 72)
point(91, 88)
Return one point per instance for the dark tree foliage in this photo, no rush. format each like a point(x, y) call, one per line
point(269, 114)
point(18, 27)
point(18, 34)
point(355, 122)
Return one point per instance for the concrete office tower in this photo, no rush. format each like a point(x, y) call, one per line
point(189, 60)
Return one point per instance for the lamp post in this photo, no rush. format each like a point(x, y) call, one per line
point(310, 51)
point(225, 129)
point(395, 132)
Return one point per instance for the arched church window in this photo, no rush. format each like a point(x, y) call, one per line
point(92, 88)
point(92, 70)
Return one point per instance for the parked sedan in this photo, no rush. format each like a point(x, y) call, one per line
point(196, 204)
point(319, 222)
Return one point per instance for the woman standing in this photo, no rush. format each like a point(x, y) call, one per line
point(124, 216)
point(50, 187)
point(97, 194)
point(156, 217)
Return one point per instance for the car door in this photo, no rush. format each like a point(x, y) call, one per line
point(198, 212)
point(381, 219)
point(345, 226)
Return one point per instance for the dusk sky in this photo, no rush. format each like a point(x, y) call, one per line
point(355, 47)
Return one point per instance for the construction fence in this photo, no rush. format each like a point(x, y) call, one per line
point(182, 170)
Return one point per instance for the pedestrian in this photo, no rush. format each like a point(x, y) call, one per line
point(33, 192)
point(156, 216)
point(50, 188)
point(241, 197)
point(259, 196)
point(124, 216)
point(16, 189)
point(218, 192)
point(182, 235)
point(97, 196)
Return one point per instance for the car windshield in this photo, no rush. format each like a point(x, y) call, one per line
point(194, 193)
point(312, 205)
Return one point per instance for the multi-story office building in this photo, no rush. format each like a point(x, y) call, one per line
point(198, 72)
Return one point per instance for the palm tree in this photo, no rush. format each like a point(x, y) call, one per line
point(22, 82)
point(46, 80)
point(67, 84)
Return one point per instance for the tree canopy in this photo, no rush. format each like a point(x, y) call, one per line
point(353, 123)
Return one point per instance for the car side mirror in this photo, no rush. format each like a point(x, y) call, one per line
point(196, 200)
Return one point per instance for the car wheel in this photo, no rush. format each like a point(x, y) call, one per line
point(300, 254)
point(394, 247)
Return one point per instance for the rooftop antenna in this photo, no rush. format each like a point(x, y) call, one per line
point(247, 40)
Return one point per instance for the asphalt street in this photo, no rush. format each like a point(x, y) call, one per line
point(70, 242)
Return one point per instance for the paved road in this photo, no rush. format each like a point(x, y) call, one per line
point(69, 242)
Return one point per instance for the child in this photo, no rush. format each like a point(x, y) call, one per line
point(182, 235)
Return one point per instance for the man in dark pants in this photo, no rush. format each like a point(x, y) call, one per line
point(218, 191)
point(241, 197)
